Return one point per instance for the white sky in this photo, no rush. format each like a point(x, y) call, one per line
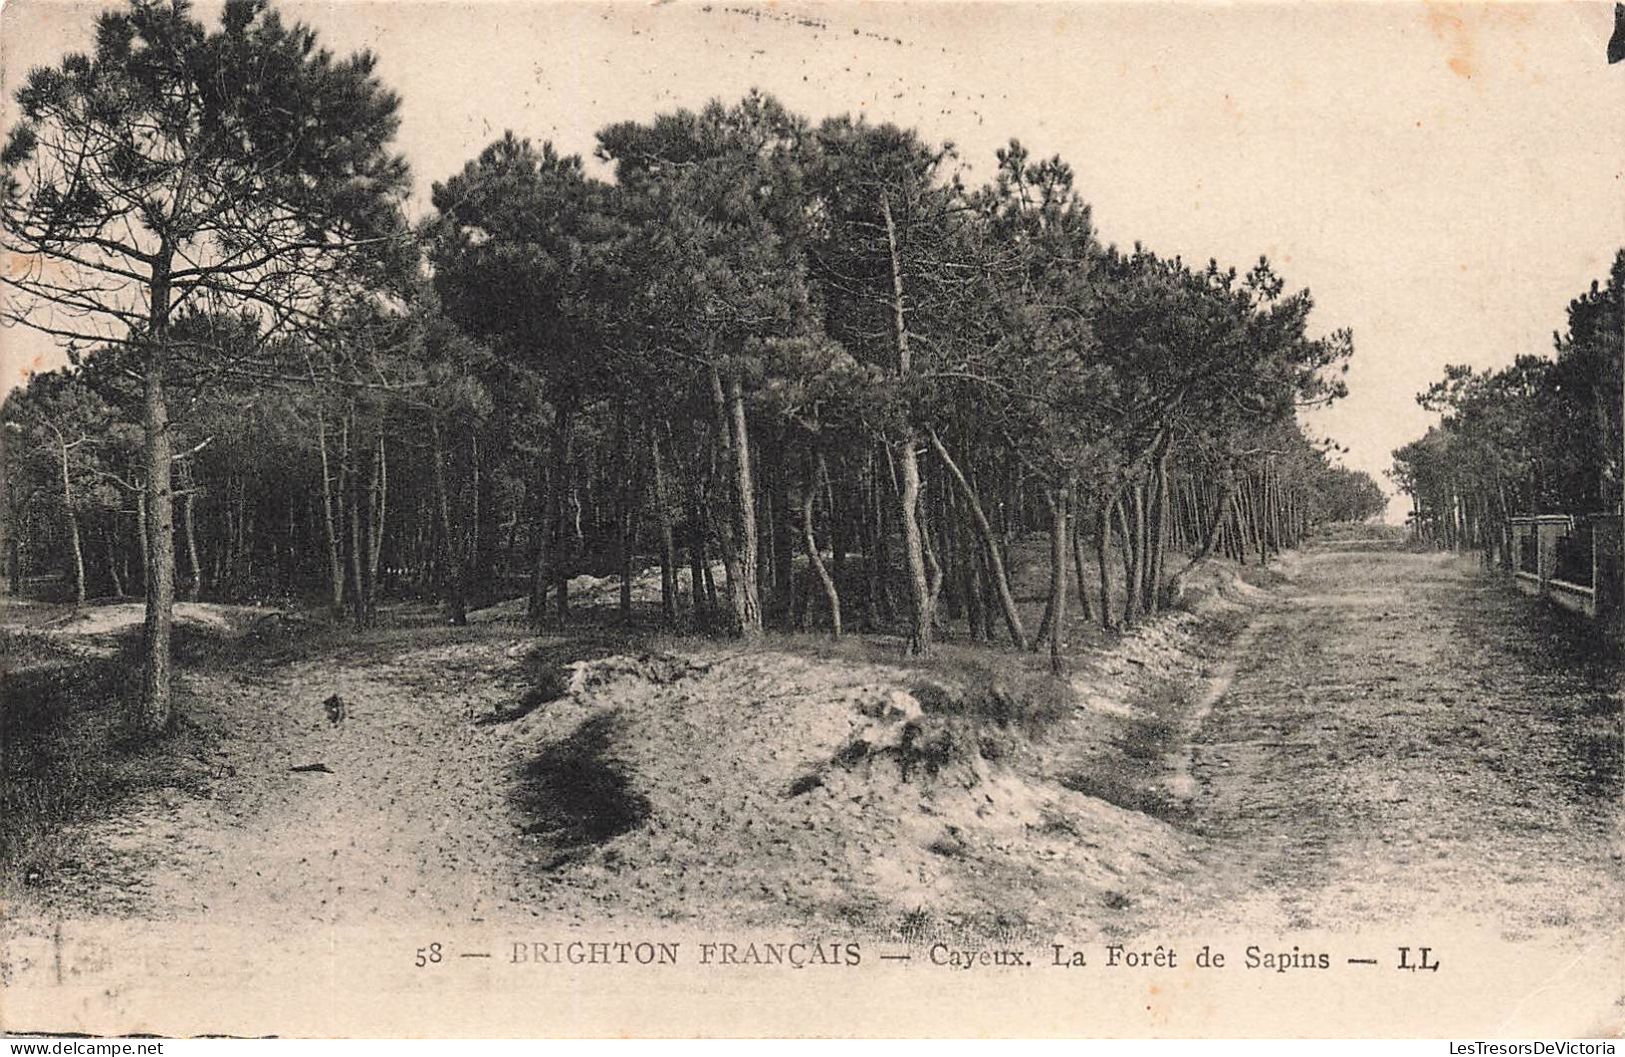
point(1444, 178)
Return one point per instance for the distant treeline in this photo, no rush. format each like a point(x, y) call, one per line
point(780, 345)
point(1541, 436)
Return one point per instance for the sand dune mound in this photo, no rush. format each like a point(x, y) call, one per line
point(116, 618)
point(765, 786)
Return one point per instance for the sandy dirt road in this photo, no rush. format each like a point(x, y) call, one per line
point(1405, 739)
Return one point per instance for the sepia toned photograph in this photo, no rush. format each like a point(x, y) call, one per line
point(845, 519)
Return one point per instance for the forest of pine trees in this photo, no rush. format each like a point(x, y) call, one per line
point(1541, 436)
point(813, 371)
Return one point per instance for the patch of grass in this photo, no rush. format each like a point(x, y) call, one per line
point(548, 654)
point(67, 754)
point(915, 925)
point(975, 701)
point(1128, 775)
point(806, 783)
point(934, 746)
point(1362, 530)
point(21, 649)
point(1003, 691)
point(279, 638)
point(549, 685)
point(1149, 739)
point(1115, 900)
point(950, 845)
point(973, 706)
point(1596, 767)
point(1057, 825)
point(1124, 790)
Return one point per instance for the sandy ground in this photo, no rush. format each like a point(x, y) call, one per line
point(1406, 740)
point(94, 629)
point(586, 590)
point(1382, 739)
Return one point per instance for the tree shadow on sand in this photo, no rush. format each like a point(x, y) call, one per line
point(576, 793)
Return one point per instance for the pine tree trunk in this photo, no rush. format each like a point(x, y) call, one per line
point(816, 560)
point(1221, 518)
point(154, 712)
point(919, 588)
point(563, 430)
point(837, 527)
point(541, 529)
point(112, 568)
point(74, 542)
point(377, 511)
point(456, 599)
point(1255, 509)
point(920, 595)
point(288, 567)
point(990, 543)
point(1059, 534)
point(1277, 519)
point(783, 537)
point(195, 586)
point(978, 621)
point(243, 551)
point(1085, 610)
point(335, 567)
point(358, 587)
point(668, 541)
point(484, 525)
point(628, 503)
point(874, 555)
point(510, 549)
point(620, 490)
point(1247, 519)
point(626, 524)
point(948, 531)
point(1103, 547)
point(144, 538)
point(536, 601)
point(701, 596)
point(738, 528)
point(1131, 534)
point(709, 575)
point(747, 600)
point(1158, 538)
point(880, 491)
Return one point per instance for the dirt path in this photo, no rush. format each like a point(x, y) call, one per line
point(1406, 739)
point(402, 813)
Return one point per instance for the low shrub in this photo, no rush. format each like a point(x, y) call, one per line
point(1000, 692)
point(66, 752)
